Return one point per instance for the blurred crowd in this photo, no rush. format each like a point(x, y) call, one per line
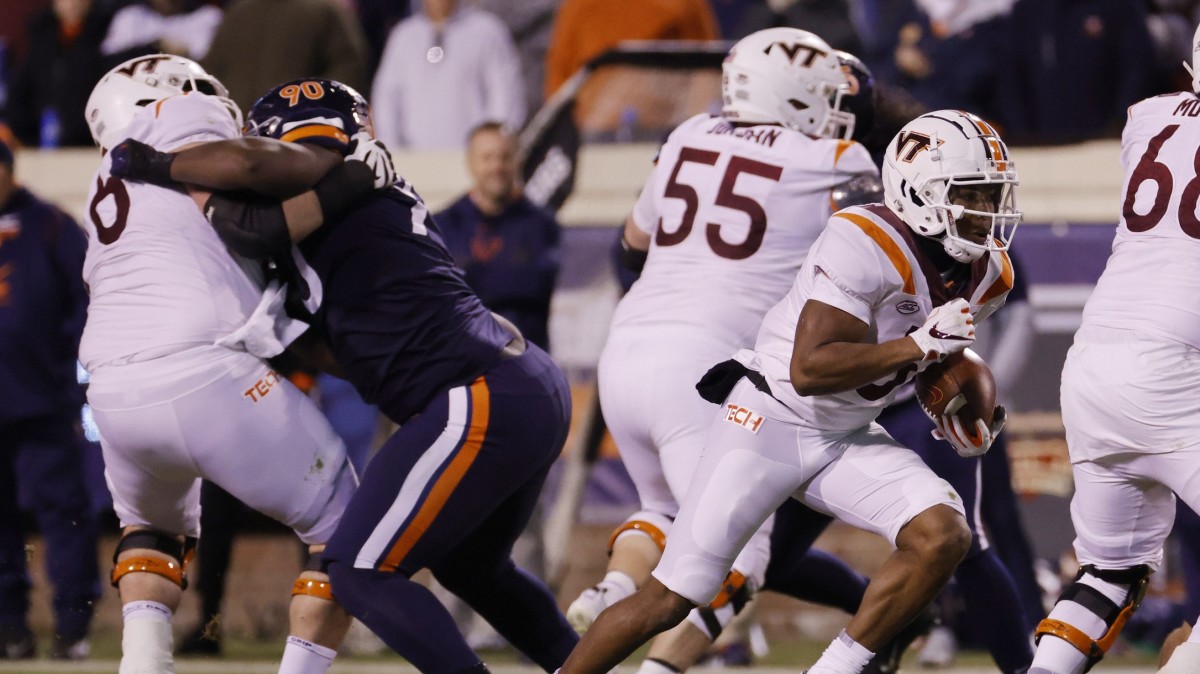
point(1046, 71)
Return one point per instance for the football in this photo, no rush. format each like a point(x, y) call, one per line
point(961, 385)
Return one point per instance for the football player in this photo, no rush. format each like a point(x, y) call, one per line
point(886, 289)
point(175, 339)
point(483, 414)
point(1129, 402)
point(717, 235)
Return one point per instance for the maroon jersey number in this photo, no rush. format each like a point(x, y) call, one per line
point(1149, 168)
point(726, 196)
point(112, 187)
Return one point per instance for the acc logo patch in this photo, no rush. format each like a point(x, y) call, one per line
point(907, 307)
point(743, 417)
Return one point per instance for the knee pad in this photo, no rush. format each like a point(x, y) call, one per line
point(313, 587)
point(1114, 616)
point(656, 526)
point(736, 592)
point(173, 570)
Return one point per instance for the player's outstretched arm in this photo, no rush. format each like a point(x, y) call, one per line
point(262, 165)
point(263, 227)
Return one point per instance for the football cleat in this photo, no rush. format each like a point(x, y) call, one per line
point(586, 608)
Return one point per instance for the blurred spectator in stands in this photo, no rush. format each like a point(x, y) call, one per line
point(261, 43)
point(14, 32)
point(1073, 67)
point(944, 53)
point(377, 19)
point(444, 70)
point(828, 18)
point(730, 15)
point(584, 29)
point(625, 103)
point(1171, 26)
point(507, 246)
point(181, 27)
point(48, 93)
point(42, 307)
point(530, 23)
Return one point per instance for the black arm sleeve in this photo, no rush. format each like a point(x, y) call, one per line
point(251, 227)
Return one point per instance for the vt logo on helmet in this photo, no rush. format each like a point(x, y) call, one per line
point(947, 174)
point(140, 81)
point(788, 77)
point(311, 110)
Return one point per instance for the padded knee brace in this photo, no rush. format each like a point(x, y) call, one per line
point(735, 594)
point(313, 587)
point(173, 570)
point(654, 525)
point(1114, 616)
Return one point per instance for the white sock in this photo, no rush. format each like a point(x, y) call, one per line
point(305, 657)
point(146, 640)
point(650, 666)
point(844, 656)
point(616, 586)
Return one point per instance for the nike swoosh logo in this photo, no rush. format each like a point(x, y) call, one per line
point(938, 334)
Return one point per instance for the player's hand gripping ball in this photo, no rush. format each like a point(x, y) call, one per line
point(959, 395)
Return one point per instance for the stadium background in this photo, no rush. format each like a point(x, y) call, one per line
point(1070, 195)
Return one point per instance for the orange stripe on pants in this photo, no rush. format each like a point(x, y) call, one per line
point(445, 485)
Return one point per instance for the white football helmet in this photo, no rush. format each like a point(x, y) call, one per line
point(789, 77)
point(936, 152)
point(140, 81)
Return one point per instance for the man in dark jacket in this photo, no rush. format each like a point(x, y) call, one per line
point(42, 308)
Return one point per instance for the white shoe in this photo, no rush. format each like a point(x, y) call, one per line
point(940, 648)
point(583, 611)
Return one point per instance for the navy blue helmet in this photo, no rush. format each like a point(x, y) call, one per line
point(311, 110)
point(860, 100)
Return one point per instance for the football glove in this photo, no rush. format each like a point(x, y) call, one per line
point(949, 329)
point(135, 160)
point(967, 443)
point(375, 155)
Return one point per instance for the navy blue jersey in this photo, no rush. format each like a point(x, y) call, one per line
point(510, 260)
point(399, 317)
point(42, 309)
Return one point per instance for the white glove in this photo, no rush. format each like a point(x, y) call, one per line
point(950, 428)
point(375, 155)
point(949, 329)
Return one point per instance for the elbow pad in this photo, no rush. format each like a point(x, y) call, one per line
point(254, 228)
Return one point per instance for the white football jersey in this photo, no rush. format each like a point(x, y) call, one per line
point(869, 264)
point(731, 212)
point(160, 279)
point(1151, 283)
